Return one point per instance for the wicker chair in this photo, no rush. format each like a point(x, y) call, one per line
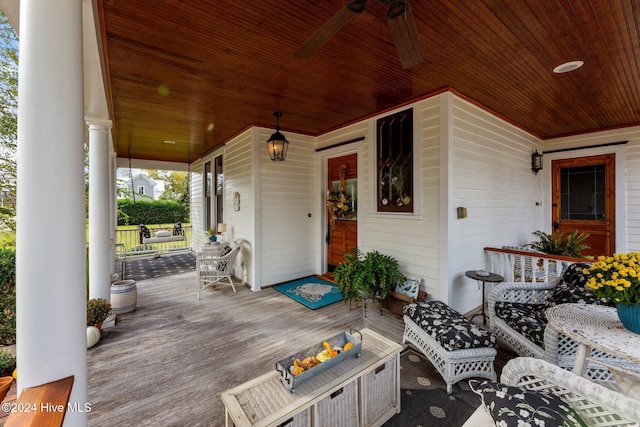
point(212, 269)
point(556, 347)
point(596, 405)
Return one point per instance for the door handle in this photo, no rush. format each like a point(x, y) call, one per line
point(556, 225)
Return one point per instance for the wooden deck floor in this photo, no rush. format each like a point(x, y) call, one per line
point(167, 362)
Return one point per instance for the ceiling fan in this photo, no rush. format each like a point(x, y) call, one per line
point(400, 20)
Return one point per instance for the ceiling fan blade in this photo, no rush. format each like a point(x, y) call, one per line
point(404, 34)
point(329, 28)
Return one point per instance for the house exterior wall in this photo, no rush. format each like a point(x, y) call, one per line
point(144, 182)
point(198, 236)
point(413, 239)
point(627, 176)
point(278, 214)
point(239, 177)
point(464, 156)
point(288, 215)
point(491, 176)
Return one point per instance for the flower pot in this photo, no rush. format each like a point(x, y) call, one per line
point(213, 238)
point(629, 315)
point(124, 296)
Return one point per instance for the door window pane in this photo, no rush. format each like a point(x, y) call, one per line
point(582, 192)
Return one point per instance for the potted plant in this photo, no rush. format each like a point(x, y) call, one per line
point(98, 309)
point(616, 279)
point(361, 276)
point(211, 232)
point(557, 244)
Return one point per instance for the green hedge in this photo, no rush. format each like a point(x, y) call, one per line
point(151, 212)
point(7, 296)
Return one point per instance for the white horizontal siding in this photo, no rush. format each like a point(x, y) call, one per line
point(239, 178)
point(412, 239)
point(491, 177)
point(288, 190)
point(196, 207)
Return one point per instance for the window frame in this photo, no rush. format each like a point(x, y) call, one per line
point(207, 186)
point(379, 205)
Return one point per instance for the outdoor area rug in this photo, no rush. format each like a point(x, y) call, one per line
point(311, 292)
point(424, 399)
point(167, 264)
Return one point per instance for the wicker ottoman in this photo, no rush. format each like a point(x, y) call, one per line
point(455, 346)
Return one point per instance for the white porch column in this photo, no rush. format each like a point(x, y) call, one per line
point(51, 255)
point(99, 209)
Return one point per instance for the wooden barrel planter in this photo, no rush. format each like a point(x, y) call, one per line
point(124, 296)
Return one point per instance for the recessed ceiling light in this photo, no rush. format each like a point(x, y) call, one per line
point(568, 66)
point(168, 141)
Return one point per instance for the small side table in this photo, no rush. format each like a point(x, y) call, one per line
point(491, 277)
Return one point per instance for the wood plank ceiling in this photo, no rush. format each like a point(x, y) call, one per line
point(198, 72)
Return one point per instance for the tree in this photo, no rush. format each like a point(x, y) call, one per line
point(176, 185)
point(8, 122)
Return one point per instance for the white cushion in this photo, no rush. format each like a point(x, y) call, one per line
point(409, 287)
point(163, 233)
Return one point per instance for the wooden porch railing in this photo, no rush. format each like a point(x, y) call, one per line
point(520, 265)
point(128, 241)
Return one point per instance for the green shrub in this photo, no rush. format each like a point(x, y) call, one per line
point(7, 363)
point(151, 212)
point(7, 296)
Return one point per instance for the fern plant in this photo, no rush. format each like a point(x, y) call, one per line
point(369, 275)
point(557, 244)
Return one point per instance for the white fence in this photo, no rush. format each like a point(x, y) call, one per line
point(128, 241)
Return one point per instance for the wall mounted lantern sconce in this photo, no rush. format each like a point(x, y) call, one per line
point(536, 162)
point(277, 144)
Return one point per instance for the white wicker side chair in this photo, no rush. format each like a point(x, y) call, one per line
point(596, 405)
point(212, 269)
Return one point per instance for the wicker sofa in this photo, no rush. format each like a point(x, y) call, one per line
point(516, 317)
point(595, 404)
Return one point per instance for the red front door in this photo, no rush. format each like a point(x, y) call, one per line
point(342, 185)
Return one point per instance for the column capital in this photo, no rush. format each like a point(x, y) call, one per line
point(95, 122)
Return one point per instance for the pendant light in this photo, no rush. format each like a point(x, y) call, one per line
point(277, 144)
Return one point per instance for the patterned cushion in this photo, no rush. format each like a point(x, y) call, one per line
point(409, 287)
point(571, 287)
point(145, 231)
point(451, 329)
point(527, 319)
point(513, 406)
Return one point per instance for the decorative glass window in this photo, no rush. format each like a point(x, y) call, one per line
point(395, 162)
point(583, 192)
